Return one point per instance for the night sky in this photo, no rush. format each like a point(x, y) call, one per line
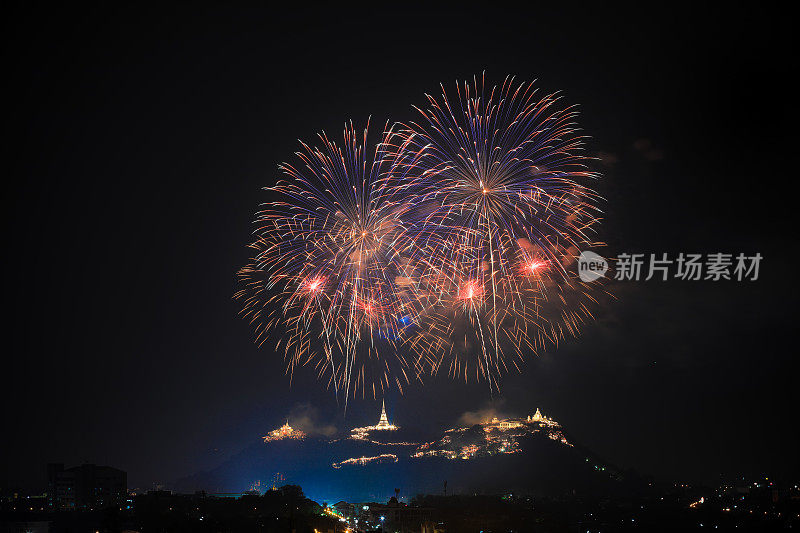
point(139, 140)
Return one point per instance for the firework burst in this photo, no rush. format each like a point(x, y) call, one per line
point(329, 276)
point(502, 210)
point(449, 245)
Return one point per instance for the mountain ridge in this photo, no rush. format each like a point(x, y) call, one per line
point(531, 455)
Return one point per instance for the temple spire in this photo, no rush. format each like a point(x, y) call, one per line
point(384, 421)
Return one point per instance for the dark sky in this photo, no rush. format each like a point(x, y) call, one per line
point(140, 139)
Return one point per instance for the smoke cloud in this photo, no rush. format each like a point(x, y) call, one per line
point(305, 417)
point(483, 415)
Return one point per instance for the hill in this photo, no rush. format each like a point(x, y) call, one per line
point(530, 455)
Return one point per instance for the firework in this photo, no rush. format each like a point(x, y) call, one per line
point(449, 245)
point(502, 210)
point(329, 275)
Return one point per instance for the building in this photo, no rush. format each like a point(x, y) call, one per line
point(393, 516)
point(284, 432)
point(540, 418)
point(515, 423)
point(85, 487)
point(383, 423)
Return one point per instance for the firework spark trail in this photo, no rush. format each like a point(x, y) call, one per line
point(448, 246)
point(328, 254)
point(504, 209)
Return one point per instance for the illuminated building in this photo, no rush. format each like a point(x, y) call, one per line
point(284, 432)
point(538, 417)
point(382, 425)
point(499, 437)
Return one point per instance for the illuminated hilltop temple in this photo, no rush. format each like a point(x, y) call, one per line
point(502, 436)
point(382, 425)
point(538, 417)
point(512, 423)
point(284, 432)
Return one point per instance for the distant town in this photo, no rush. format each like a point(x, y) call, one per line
point(96, 498)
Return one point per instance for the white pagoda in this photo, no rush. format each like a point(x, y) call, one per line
point(383, 423)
